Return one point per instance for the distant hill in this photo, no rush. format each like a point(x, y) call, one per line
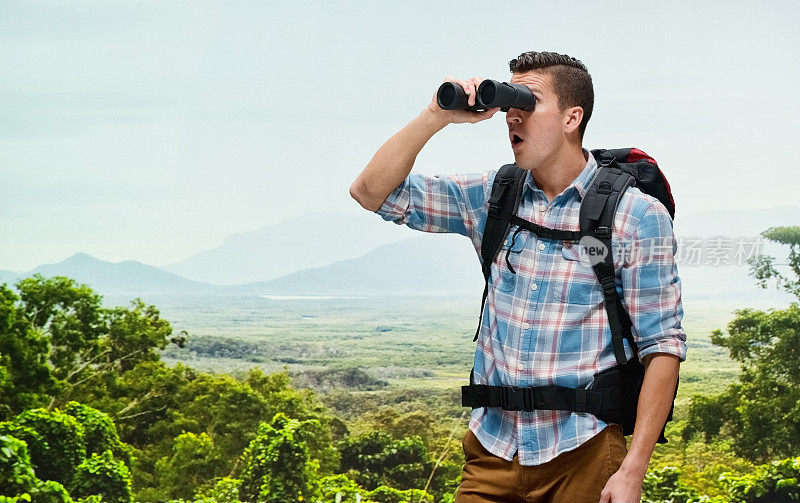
point(128, 277)
point(311, 240)
point(409, 263)
point(429, 264)
point(319, 239)
point(9, 277)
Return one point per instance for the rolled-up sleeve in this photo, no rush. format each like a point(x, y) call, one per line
point(651, 286)
point(440, 203)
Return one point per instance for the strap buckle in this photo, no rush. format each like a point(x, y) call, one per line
point(609, 285)
point(602, 232)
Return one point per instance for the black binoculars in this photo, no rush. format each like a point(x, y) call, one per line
point(491, 94)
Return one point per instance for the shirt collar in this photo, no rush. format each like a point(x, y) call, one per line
point(581, 182)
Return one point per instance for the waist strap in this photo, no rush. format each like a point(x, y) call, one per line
point(600, 402)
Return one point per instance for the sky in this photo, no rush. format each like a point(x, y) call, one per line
point(151, 130)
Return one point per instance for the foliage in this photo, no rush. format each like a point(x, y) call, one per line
point(377, 459)
point(664, 485)
point(775, 482)
point(343, 485)
point(16, 471)
point(330, 378)
point(762, 267)
point(384, 494)
point(224, 490)
point(55, 442)
point(18, 482)
point(26, 379)
point(99, 432)
point(193, 462)
point(101, 474)
point(58, 342)
point(277, 466)
point(158, 403)
point(761, 412)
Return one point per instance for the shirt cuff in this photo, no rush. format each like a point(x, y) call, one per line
point(674, 344)
point(396, 203)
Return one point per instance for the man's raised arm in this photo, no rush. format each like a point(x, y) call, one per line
point(392, 163)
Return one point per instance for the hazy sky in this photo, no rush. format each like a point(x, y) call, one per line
point(152, 130)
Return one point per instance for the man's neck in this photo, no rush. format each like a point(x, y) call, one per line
point(556, 173)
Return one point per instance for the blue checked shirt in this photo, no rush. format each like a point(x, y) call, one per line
point(547, 324)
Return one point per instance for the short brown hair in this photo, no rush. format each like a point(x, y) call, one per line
point(571, 80)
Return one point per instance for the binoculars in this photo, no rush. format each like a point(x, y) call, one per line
point(491, 94)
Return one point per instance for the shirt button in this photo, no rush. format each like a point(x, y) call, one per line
point(542, 208)
point(520, 366)
point(534, 286)
point(526, 326)
point(541, 246)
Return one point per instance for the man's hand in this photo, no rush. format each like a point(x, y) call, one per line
point(460, 116)
point(622, 487)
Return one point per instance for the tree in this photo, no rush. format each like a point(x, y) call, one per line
point(377, 459)
point(760, 412)
point(775, 482)
point(664, 485)
point(26, 379)
point(55, 442)
point(277, 466)
point(58, 343)
point(16, 471)
point(762, 267)
point(102, 475)
point(55, 445)
point(99, 432)
point(194, 461)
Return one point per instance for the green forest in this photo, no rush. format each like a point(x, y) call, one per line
point(90, 412)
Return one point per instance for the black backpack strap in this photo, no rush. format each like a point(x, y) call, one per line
point(506, 193)
point(504, 200)
point(602, 402)
point(597, 212)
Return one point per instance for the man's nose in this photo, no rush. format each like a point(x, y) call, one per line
point(513, 117)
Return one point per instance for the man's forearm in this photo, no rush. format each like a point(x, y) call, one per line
point(392, 163)
point(655, 400)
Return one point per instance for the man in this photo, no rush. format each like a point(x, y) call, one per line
point(546, 324)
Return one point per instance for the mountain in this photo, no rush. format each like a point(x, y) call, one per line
point(9, 277)
point(310, 240)
point(125, 278)
point(408, 262)
point(446, 264)
point(441, 264)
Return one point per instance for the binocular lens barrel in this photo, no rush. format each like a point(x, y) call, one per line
point(491, 94)
point(451, 96)
point(494, 94)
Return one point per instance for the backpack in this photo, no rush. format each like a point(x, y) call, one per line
point(614, 394)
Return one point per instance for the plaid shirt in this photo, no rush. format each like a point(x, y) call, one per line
point(547, 324)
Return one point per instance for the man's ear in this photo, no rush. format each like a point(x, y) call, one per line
point(573, 117)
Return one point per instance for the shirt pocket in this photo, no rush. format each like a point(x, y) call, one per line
point(584, 288)
point(514, 247)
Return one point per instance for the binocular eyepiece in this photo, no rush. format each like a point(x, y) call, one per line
point(491, 94)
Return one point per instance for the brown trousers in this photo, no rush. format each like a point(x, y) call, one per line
point(575, 476)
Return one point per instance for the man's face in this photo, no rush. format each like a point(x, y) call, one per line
point(542, 130)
